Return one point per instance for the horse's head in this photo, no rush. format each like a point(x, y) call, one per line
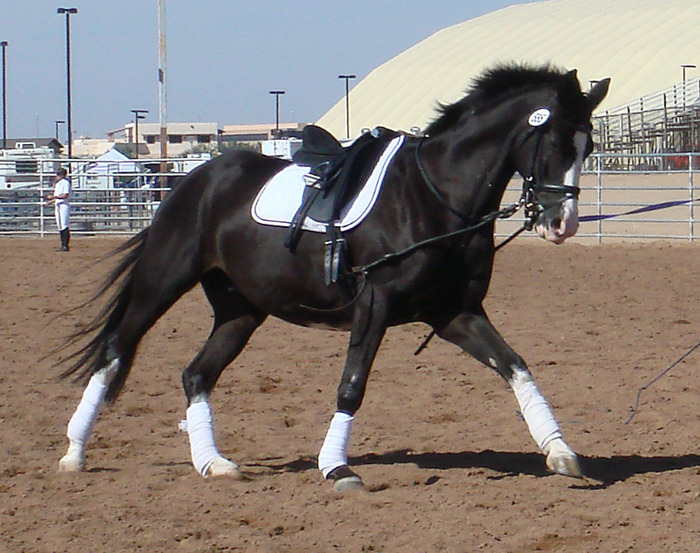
point(549, 155)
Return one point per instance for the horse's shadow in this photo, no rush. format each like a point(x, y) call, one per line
point(600, 471)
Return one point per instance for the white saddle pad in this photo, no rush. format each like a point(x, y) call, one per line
point(280, 198)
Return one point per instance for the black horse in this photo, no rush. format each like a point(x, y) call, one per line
point(424, 253)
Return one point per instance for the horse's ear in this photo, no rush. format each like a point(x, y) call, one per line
point(571, 87)
point(596, 94)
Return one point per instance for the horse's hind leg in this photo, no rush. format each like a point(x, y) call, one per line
point(152, 287)
point(83, 420)
point(118, 349)
point(234, 322)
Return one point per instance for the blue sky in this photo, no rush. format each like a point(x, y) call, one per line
point(224, 56)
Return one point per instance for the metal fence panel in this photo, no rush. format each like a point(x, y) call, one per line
point(130, 203)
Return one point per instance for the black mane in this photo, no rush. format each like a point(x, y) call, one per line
point(494, 83)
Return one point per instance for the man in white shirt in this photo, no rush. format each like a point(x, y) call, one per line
point(61, 201)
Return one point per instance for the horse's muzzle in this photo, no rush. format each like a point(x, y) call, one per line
point(560, 225)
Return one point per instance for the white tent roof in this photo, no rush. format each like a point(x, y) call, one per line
point(112, 161)
point(641, 44)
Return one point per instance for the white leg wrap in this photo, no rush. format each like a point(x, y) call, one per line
point(334, 452)
point(200, 428)
point(83, 420)
point(535, 409)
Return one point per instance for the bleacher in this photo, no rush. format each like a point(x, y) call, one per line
point(667, 121)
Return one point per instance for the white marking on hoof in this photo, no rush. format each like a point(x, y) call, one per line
point(562, 460)
point(348, 484)
point(222, 467)
point(73, 460)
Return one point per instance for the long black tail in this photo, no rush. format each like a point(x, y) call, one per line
point(99, 351)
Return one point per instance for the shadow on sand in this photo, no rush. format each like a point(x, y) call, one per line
point(604, 470)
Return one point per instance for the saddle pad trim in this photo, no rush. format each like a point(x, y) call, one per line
point(278, 201)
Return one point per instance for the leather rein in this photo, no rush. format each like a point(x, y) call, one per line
point(527, 200)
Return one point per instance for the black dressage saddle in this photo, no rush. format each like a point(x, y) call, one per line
point(336, 177)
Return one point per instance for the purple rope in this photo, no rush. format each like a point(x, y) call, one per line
point(645, 209)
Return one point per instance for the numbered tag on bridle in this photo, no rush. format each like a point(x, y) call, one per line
point(539, 117)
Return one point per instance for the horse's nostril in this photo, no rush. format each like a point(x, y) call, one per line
point(556, 223)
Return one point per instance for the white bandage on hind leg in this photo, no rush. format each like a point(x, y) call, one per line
point(535, 409)
point(200, 428)
point(83, 420)
point(334, 452)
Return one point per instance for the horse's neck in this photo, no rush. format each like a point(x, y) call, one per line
point(470, 171)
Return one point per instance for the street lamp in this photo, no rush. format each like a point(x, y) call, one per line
point(137, 115)
point(347, 102)
point(4, 44)
point(58, 122)
point(68, 12)
point(685, 66)
point(277, 94)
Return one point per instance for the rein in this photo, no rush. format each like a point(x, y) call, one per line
point(527, 200)
point(500, 214)
point(533, 210)
point(538, 121)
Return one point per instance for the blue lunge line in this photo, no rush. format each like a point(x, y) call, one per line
point(645, 209)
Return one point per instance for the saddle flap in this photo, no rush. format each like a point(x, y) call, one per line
point(318, 146)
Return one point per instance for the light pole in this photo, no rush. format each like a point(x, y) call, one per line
point(58, 122)
point(4, 44)
point(347, 102)
point(68, 12)
point(684, 67)
point(137, 115)
point(277, 94)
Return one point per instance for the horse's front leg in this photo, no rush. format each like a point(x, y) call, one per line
point(475, 334)
point(369, 326)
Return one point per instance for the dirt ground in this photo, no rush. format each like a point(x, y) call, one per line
point(448, 463)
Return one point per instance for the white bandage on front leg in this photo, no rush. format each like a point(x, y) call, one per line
point(334, 452)
point(205, 455)
point(535, 409)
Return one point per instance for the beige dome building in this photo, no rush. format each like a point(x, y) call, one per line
point(641, 44)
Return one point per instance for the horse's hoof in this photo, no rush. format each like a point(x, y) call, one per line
point(223, 467)
point(69, 463)
point(562, 460)
point(349, 484)
point(567, 466)
point(345, 480)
